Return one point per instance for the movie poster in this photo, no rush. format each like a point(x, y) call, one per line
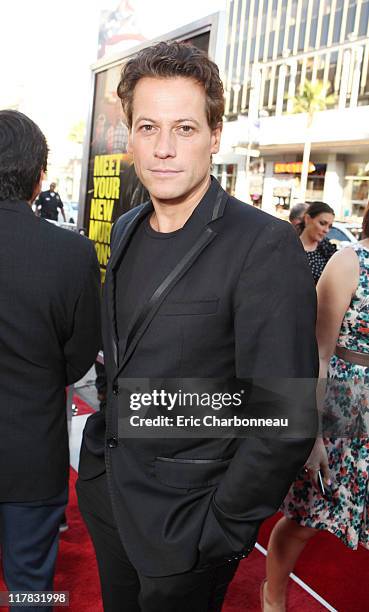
point(112, 184)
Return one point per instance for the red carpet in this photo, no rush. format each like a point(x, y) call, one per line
point(81, 406)
point(243, 593)
point(337, 574)
point(76, 570)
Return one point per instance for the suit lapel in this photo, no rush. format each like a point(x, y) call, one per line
point(196, 247)
point(125, 233)
point(130, 220)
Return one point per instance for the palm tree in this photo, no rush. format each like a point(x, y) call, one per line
point(314, 98)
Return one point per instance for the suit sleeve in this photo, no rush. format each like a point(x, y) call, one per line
point(81, 348)
point(274, 324)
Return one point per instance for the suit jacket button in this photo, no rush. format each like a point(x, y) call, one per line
point(112, 443)
point(115, 389)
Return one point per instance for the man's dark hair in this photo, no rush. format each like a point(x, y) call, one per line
point(175, 59)
point(23, 156)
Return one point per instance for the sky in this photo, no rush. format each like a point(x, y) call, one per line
point(48, 46)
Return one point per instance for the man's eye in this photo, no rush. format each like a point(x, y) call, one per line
point(186, 129)
point(146, 128)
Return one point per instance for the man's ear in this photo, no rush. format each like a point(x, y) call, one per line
point(216, 134)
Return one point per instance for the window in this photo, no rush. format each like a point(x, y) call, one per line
point(291, 37)
point(302, 35)
point(315, 188)
point(324, 34)
point(226, 174)
point(337, 21)
point(313, 31)
point(315, 8)
point(228, 49)
point(364, 18)
point(282, 29)
point(350, 18)
point(244, 37)
point(320, 63)
point(357, 177)
point(280, 41)
point(230, 20)
point(271, 44)
point(332, 68)
point(266, 89)
point(336, 234)
point(298, 75)
point(252, 49)
point(262, 32)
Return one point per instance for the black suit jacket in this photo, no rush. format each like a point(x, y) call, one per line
point(49, 337)
point(241, 303)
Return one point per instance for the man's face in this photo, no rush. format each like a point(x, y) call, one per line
point(170, 139)
point(52, 186)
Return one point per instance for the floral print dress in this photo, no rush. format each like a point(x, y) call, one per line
point(346, 422)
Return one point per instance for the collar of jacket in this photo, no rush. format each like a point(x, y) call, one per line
point(19, 206)
point(211, 206)
point(209, 209)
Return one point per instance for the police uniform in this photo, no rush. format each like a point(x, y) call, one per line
point(48, 204)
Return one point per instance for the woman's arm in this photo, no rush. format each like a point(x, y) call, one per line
point(335, 289)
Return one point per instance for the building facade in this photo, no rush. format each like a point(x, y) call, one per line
point(275, 47)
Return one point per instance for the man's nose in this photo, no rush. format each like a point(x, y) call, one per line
point(164, 145)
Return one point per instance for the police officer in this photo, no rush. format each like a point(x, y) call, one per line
point(48, 204)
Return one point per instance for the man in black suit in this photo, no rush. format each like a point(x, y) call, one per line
point(49, 337)
point(199, 286)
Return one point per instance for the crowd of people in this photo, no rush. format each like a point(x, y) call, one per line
point(199, 286)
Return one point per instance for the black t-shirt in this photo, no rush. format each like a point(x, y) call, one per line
point(48, 204)
point(149, 258)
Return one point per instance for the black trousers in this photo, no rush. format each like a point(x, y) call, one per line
point(123, 588)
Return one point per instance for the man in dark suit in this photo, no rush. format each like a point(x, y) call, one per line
point(199, 286)
point(49, 337)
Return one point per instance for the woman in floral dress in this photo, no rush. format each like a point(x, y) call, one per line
point(343, 454)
